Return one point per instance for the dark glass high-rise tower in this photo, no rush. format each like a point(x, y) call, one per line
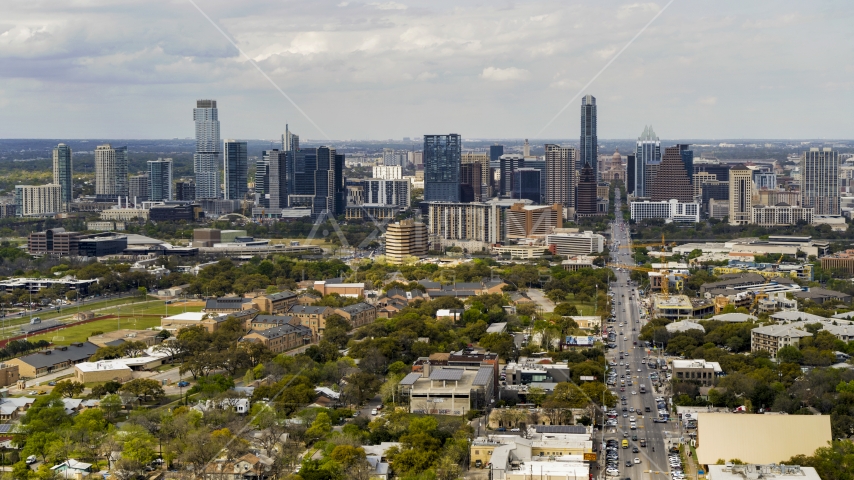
point(62, 174)
point(277, 178)
point(160, 179)
point(588, 151)
point(236, 168)
point(442, 160)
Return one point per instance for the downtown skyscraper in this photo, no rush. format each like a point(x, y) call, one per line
point(588, 151)
point(560, 175)
point(206, 159)
point(647, 152)
point(442, 160)
point(111, 172)
point(820, 181)
point(236, 169)
point(62, 174)
point(160, 178)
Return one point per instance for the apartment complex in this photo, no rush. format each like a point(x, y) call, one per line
point(533, 221)
point(772, 338)
point(670, 210)
point(38, 200)
point(62, 174)
point(111, 172)
point(820, 181)
point(404, 239)
point(560, 175)
point(780, 215)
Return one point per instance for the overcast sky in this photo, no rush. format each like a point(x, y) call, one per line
point(389, 69)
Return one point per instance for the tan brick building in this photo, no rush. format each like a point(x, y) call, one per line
point(282, 338)
point(311, 317)
point(358, 314)
point(276, 303)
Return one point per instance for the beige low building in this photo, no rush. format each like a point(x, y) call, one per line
point(276, 303)
point(103, 371)
point(697, 370)
point(343, 289)
point(759, 439)
point(405, 239)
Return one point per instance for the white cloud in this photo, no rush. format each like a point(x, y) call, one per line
point(708, 101)
point(626, 11)
point(504, 74)
point(388, 6)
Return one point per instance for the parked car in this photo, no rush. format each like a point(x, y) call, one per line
point(183, 383)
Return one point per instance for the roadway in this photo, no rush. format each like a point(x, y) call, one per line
point(626, 302)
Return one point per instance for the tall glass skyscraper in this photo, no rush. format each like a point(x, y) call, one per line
point(442, 160)
point(647, 151)
point(236, 168)
point(820, 181)
point(160, 176)
point(277, 178)
point(206, 159)
point(62, 174)
point(588, 152)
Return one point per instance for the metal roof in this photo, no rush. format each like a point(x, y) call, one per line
point(561, 429)
point(446, 374)
point(5, 428)
point(485, 376)
point(410, 379)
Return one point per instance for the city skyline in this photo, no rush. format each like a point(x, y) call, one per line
point(698, 71)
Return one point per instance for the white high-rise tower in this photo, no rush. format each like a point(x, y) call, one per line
point(206, 160)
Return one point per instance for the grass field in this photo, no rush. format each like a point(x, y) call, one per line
point(156, 308)
point(584, 308)
point(79, 333)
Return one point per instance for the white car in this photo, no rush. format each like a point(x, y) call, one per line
point(634, 392)
point(637, 460)
point(632, 418)
point(374, 411)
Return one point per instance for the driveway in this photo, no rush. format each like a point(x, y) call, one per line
point(539, 297)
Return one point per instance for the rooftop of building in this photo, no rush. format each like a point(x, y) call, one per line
point(768, 472)
point(697, 363)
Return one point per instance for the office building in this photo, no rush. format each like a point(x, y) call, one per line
point(697, 370)
point(532, 221)
point(262, 183)
point(700, 179)
point(442, 160)
point(111, 172)
point(647, 151)
point(588, 151)
point(631, 172)
point(669, 210)
point(139, 187)
point(560, 175)
point(276, 181)
point(236, 169)
point(687, 160)
point(62, 174)
point(820, 181)
point(176, 211)
point(763, 180)
point(672, 179)
point(526, 184)
point(781, 214)
point(416, 158)
point(330, 194)
point(185, 191)
point(388, 172)
point(740, 195)
point(290, 140)
point(585, 193)
point(508, 164)
point(160, 176)
point(495, 152)
point(721, 171)
point(404, 240)
point(471, 189)
point(38, 200)
point(206, 159)
point(569, 243)
point(387, 192)
point(483, 187)
point(538, 164)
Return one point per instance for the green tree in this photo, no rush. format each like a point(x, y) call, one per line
point(68, 388)
point(790, 354)
point(320, 427)
point(143, 388)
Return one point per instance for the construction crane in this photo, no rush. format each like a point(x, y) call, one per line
point(665, 273)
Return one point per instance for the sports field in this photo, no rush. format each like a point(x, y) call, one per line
point(127, 316)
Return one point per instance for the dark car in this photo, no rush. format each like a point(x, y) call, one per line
point(183, 383)
point(646, 409)
point(628, 463)
point(635, 450)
